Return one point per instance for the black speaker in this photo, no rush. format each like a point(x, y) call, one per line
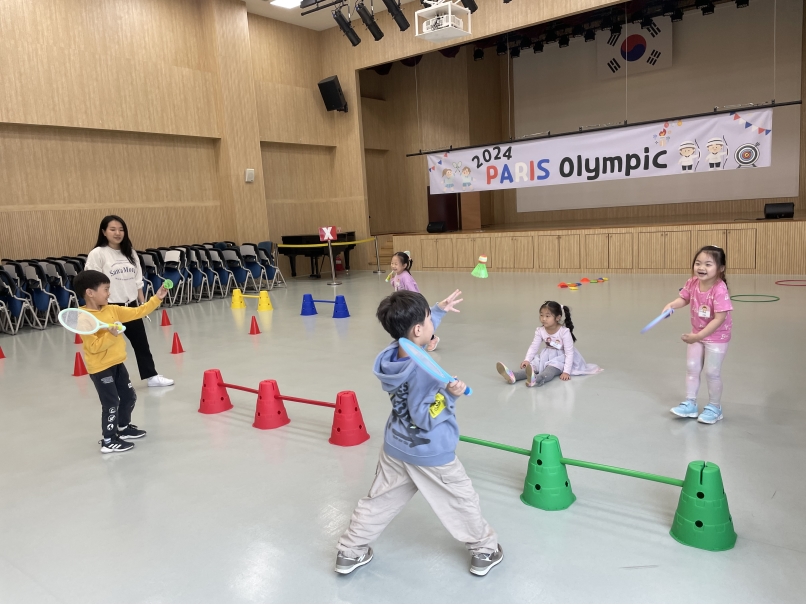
point(786, 210)
point(436, 227)
point(332, 94)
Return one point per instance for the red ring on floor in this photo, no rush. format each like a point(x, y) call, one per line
point(789, 282)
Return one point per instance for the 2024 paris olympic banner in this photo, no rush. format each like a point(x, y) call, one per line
point(738, 140)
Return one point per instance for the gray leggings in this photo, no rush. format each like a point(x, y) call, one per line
point(549, 373)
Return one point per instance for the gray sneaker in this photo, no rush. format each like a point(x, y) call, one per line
point(345, 565)
point(480, 564)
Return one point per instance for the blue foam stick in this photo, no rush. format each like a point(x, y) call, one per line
point(657, 320)
point(426, 362)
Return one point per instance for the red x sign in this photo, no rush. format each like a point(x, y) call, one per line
point(327, 234)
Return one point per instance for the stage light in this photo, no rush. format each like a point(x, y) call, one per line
point(526, 42)
point(668, 9)
point(616, 29)
point(646, 22)
point(590, 35)
point(677, 16)
point(538, 47)
point(470, 5)
point(564, 41)
point(551, 37)
point(606, 23)
point(742, 3)
point(346, 28)
point(700, 3)
point(478, 54)
point(507, 1)
point(501, 47)
point(515, 52)
point(369, 20)
point(394, 10)
point(708, 9)
point(577, 31)
point(636, 17)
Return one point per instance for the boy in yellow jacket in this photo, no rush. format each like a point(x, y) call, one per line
point(105, 353)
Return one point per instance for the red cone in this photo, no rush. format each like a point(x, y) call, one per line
point(176, 348)
point(2, 355)
point(254, 329)
point(214, 398)
point(165, 320)
point(78, 340)
point(269, 412)
point(348, 423)
point(79, 369)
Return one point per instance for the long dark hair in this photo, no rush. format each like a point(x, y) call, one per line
point(125, 246)
point(405, 259)
point(557, 311)
point(718, 256)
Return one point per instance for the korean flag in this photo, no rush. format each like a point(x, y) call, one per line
point(634, 50)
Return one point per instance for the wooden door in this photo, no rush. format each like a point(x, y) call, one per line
point(620, 253)
point(482, 247)
point(464, 253)
point(597, 251)
point(504, 252)
point(428, 249)
point(678, 249)
point(709, 237)
point(548, 252)
point(651, 250)
point(741, 249)
point(445, 253)
point(569, 252)
point(524, 252)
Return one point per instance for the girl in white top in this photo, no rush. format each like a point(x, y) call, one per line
point(114, 256)
point(552, 352)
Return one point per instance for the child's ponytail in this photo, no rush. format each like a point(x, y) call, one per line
point(568, 323)
point(409, 261)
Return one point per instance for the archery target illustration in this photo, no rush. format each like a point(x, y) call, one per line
point(747, 155)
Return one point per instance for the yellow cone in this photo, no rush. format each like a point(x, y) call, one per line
point(237, 300)
point(264, 302)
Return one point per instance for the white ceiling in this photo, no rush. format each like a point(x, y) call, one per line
point(318, 21)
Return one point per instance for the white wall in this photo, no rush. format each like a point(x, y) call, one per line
point(720, 59)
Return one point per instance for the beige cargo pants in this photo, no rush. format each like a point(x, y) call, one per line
point(446, 488)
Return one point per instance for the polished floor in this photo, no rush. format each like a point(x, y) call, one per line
point(209, 509)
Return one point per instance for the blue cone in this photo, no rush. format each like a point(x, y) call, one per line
point(308, 308)
point(340, 308)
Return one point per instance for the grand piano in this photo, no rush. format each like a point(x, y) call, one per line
point(315, 253)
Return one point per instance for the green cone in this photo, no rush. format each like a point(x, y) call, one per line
point(547, 486)
point(479, 271)
point(702, 519)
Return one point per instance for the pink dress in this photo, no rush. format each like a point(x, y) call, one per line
point(404, 281)
point(558, 351)
point(705, 304)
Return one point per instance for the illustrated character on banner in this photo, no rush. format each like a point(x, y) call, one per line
point(689, 153)
point(447, 179)
point(718, 148)
point(467, 180)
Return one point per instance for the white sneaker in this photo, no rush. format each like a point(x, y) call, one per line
point(159, 381)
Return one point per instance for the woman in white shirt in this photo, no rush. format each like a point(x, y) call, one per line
point(114, 256)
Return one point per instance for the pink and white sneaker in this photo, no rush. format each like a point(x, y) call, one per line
point(505, 372)
point(432, 345)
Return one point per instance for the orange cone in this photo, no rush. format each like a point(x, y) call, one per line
point(348, 423)
point(269, 412)
point(79, 369)
point(214, 397)
point(176, 348)
point(254, 329)
point(2, 355)
point(165, 321)
point(78, 340)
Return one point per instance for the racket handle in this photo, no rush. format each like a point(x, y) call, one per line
point(468, 391)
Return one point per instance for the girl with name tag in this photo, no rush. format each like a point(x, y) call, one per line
point(552, 352)
point(711, 325)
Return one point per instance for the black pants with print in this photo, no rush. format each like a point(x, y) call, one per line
point(117, 398)
point(136, 333)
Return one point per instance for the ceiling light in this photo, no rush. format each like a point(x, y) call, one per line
point(564, 41)
point(538, 47)
point(346, 28)
point(668, 9)
point(470, 5)
point(369, 20)
point(501, 47)
point(577, 31)
point(616, 29)
point(677, 16)
point(646, 22)
point(590, 35)
point(478, 54)
point(526, 42)
point(606, 23)
point(394, 10)
point(551, 37)
point(708, 9)
point(286, 3)
point(635, 17)
point(742, 3)
point(515, 52)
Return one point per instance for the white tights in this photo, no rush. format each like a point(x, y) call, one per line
point(708, 355)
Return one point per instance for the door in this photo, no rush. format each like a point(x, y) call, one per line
point(678, 249)
point(523, 252)
point(548, 252)
point(597, 251)
point(504, 253)
point(620, 252)
point(569, 252)
point(445, 253)
point(651, 250)
point(741, 248)
point(464, 252)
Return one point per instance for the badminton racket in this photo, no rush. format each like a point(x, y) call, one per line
point(657, 320)
point(425, 361)
point(83, 322)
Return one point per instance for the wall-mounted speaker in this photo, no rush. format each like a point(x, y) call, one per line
point(332, 94)
point(436, 227)
point(785, 210)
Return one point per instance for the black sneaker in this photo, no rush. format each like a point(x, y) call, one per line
point(116, 445)
point(131, 432)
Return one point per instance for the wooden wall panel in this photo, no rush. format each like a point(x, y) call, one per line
point(293, 114)
point(376, 120)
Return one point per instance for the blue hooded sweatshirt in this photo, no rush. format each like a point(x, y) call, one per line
point(422, 428)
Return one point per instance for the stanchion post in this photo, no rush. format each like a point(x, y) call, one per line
point(377, 257)
point(332, 266)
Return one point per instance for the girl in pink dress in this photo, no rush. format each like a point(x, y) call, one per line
point(557, 357)
point(711, 325)
point(402, 280)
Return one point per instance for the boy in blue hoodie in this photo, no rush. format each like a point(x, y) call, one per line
point(419, 445)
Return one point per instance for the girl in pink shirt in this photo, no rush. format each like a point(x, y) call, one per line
point(711, 324)
point(402, 280)
point(557, 357)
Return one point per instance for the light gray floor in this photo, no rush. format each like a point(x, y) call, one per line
point(208, 509)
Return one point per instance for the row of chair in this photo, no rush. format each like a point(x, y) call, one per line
point(33, 291)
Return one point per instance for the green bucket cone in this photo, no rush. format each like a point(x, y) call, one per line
point(547, 486)
point(479, 271)
point(702, 519)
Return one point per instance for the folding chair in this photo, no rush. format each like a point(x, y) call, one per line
point(45, 305)
point(267, 253)
point(242, 275)
point(226, 278)
point(18, 303)
point(172, 265)
point(251, 260)
point(198, 277)
point(59, 283)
